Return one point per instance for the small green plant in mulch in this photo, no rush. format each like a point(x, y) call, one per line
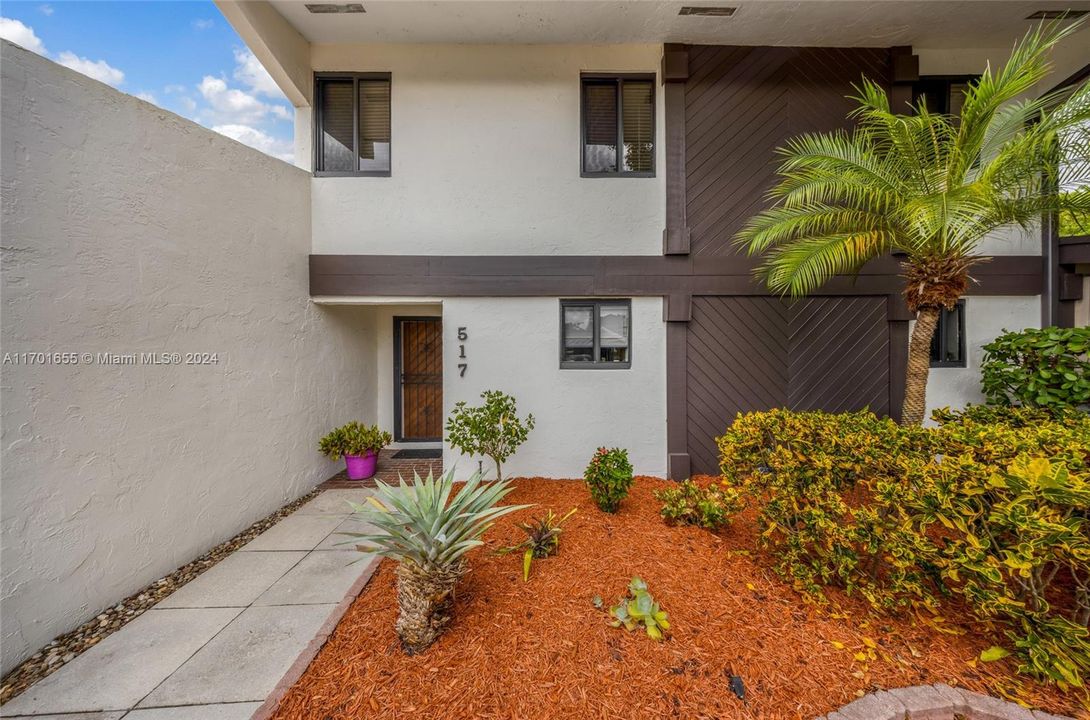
point(542, 540)
point(711, 507)
point(609, 477)
point(639, 608)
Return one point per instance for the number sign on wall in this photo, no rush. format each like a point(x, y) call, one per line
point(462, 337)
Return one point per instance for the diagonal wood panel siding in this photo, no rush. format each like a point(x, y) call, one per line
point(741, 103)
point(757, 353)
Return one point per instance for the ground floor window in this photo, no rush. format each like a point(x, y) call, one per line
point(948, 342)
point(595, 334)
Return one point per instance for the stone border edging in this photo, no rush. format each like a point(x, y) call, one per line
point(934, 702)
point(272, 702)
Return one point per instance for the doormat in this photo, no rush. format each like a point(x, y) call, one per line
point(428, 454)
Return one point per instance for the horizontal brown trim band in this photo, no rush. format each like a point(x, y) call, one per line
point(1074, 250)
point(627, 275)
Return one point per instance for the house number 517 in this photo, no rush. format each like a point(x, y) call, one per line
point(462, 337)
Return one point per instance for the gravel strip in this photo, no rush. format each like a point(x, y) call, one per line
point(69, 646)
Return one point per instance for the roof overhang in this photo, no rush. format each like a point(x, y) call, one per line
point(830, 23)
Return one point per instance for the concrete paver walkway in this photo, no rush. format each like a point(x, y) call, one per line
point(218, 646)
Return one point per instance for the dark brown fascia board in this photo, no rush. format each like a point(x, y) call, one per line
point(1074, 250)
point(631, 275)
point(675, 63)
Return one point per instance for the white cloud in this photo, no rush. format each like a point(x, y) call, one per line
point(203, 24)
point(250, 72)
point(258, 140)
point(24, 35)
point(231, 106)
point(21, 34)
point(45, 9)
point(230, 111)
point(98, 69)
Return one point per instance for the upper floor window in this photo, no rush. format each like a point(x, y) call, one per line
point(618, 125)
point(595, 334)
point(352, 124)
point(942, 93)
point(948, 342)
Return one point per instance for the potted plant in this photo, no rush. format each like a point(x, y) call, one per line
point(359, 444)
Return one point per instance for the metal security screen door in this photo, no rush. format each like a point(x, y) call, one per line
point(418, 379)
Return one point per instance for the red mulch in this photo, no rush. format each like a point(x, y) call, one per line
point(542, 650)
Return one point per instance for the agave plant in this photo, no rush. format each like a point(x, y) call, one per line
point(929, 187)
point(428, 528)
point(542, 540)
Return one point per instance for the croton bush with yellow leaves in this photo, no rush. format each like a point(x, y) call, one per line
point(992, 505)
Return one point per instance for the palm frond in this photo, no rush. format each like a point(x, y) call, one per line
point(804, 265)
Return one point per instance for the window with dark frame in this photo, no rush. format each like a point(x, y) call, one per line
point(618, 125)
point(948, 342)
point(595, 334)
point(942, 93)
point(352, 124)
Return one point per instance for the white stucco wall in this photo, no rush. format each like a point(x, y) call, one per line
point(985, 318)
point(128, 229)
point(485, 157)
point(513, 346)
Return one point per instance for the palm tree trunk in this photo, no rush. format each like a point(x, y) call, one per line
point(425, 600)
point(919, 364)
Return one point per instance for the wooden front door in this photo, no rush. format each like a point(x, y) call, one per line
point(418, 365)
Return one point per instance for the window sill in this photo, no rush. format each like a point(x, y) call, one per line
point(595, 366)
point(936, 365)
point(368, 173)
point(616, 175)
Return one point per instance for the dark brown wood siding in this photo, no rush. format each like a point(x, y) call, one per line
point(757, 353)
point(741, 103)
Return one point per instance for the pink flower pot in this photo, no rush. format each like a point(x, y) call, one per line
point(361, 467)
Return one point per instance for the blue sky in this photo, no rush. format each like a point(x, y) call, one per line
point(182, 56)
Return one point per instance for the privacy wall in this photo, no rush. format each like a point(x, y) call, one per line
point(165, 376)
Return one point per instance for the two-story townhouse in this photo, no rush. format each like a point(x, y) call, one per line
point(540, 198)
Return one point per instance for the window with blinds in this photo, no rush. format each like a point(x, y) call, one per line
point(618, 125)
point(352, 124)
point(595, 334)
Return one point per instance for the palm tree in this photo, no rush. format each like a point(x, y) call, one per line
point(928, 187)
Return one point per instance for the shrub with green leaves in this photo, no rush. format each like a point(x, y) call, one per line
point(609, 476)
point(353, 438)
point(710, 507)
point(992, 506)
point(1046, 367)
point(807, 474)
point(639, 608)
point(1015, 543)
point(493, 429)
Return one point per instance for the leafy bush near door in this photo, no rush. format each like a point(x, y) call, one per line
point(609, 476)
point(493, 429)
point(1046, 367)
point(992, 505)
